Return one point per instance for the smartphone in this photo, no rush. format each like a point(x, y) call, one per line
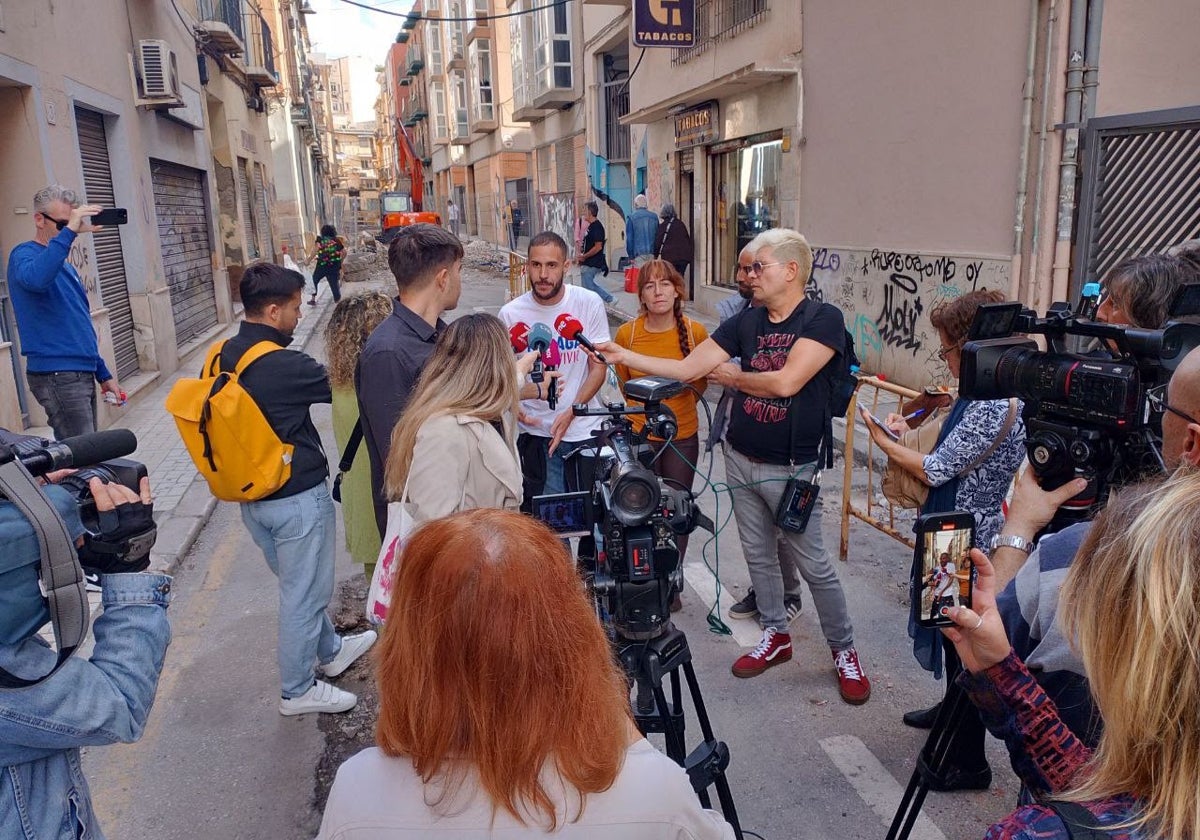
point(884, 426)
point(111, 216)
point(943, 562)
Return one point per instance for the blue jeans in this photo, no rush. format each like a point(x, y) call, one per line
point(588, 275)
point(296, 535)
point(69, 397)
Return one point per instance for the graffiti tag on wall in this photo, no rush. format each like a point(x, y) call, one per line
point(80, 257)
point(887, 296)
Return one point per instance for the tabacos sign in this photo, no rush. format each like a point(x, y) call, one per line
point(664, 23)
point(697, 126)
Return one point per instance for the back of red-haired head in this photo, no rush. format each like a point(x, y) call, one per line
point(493, 660)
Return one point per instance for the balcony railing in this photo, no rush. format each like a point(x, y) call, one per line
point(616, 105)
point(260, 52)
point(413, 110)
point(719, 20)
point(221, 21)
point(414, 60)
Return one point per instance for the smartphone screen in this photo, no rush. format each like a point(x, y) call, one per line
point(943, 560)
point(111, 216)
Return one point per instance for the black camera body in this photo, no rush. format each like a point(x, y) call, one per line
point(640, 517)
point(1085, 415)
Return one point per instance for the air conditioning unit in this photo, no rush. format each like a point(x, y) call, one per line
point(158, 73)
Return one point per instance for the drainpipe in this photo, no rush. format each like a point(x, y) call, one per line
point(1033, 294)
point(1091, 58)
point(1069, 164)
point(1014, 290)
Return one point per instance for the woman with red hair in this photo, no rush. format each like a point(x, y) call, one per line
point(512, 718)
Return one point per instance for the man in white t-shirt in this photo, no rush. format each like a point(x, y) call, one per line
point(547, 436)
point(944, 584)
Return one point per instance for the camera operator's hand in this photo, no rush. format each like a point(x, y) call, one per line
point(121, 514)
point(979, 635)
point(76, 220)
point(1032, 508)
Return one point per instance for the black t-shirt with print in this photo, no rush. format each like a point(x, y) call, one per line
point(595, 233)
point(759, 426)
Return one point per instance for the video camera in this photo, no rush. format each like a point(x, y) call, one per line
point(638, 571)
point(1085, 415)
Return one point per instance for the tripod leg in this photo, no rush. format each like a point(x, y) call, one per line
point(724, 795)
point(676, 750)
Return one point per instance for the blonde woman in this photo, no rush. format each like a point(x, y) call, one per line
point(1131, 604)
point(454, 447)
point(352, 321)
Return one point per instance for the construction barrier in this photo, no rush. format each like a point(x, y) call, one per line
point(518, 281)
point(886, 398)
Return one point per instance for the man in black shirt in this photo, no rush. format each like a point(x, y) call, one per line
point(775, 427)
point(592, 262)
point(296, 525)
point(426, 261)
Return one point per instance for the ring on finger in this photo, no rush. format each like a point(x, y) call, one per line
point(978, 623)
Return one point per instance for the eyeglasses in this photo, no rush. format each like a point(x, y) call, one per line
point(755, 267)
point(58, 223)
point(1158, 402)
point(946, 351)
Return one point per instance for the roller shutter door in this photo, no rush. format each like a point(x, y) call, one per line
point(248, 226)
point(186, 247)
point(110, 263)
point(262, 218)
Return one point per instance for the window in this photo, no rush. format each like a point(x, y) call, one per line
point(552, 53)
point(520, 33)
point(483, 7)
point(482, 99)
point(434, 37)
point(747, 200)
point(457, 29)
point(458, 88)
point(437, 95)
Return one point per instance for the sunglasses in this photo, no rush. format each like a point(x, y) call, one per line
point(58, 223)
point(755, 267)
point(1158, 402)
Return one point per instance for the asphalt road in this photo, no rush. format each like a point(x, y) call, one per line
point(218, 761)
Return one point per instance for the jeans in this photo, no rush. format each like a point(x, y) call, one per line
point(588, 275)
point(756, 490)
point(69, 397)
point(331, 273)
point(296, 535)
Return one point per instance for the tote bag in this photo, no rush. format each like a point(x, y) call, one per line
point(399, 526)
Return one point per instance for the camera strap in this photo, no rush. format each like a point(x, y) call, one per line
point(61, 576)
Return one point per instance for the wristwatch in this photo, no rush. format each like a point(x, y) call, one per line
point(1012, 541)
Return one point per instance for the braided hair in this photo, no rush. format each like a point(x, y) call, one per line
point(653, 270)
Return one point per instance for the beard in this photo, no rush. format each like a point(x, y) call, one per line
point(553, 291)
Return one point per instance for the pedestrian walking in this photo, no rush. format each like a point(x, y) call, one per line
point(329, 254)
point(62, 354)
point(640, 230)
point(453, 214)
point(673, 242)
point(592, 262)
point(514, 217)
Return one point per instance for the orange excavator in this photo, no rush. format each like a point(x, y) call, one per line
point(400, 208)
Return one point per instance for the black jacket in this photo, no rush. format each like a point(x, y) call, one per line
point(285, 385)
point(673, 243)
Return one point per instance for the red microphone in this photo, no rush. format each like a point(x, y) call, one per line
point(518, 336)
point(568, 327)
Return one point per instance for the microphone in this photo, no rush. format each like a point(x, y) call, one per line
point(518, 336)
point(570, 328)
point(540, 338)
point(41, 457)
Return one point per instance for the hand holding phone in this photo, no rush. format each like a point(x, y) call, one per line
point(943, 565)
point(111, 216)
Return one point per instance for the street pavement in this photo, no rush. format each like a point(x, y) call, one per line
point(218, 761)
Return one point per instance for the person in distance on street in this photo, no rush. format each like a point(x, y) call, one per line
point(672, 242)
point(1131, 606)
point(329, 255)
point(787, 348)
point(295, 527)
point(592, 262)
point(103, 699)
point(487, 726)
point(455, 446)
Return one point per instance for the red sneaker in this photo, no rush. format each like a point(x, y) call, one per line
point(775, 647)
point(852, 682)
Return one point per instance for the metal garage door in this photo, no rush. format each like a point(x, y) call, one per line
point(262, 217)
point(186, 247)
point(248, 226)
point(110, 263)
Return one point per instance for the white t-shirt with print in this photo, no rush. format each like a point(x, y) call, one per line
point(586, 307)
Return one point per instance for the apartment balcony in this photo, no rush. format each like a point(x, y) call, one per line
point(456, 60)
point(460, 128)
point(483, 112)
point(260, 52)
point(481, 28)
point(301, 115)
point(720, 20)
point(414, 60)
point(413, 110)
point(221, 24)
point(616, 106)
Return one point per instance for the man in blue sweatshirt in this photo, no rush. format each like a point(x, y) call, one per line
point(62, 356)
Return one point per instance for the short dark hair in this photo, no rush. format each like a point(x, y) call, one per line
point(265, 283)
point(549, 237)
point(592, 207)
point(328, 230)
point(420, 251)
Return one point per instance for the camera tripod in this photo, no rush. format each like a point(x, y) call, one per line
point(646, 662)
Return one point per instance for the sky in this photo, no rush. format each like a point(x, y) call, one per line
point(339, 29)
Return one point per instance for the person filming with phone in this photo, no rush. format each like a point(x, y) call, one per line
point(62, 354)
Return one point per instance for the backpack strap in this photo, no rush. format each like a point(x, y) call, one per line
point(256, 352)
point(825, 446)
point(1009, 420)
point(1079, 822)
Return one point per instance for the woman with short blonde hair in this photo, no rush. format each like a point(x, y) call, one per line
point(501, 706)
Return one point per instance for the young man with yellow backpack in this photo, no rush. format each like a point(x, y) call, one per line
point(277, 471)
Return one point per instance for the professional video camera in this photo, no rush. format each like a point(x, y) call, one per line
point(638, 572)
point(1085, 415)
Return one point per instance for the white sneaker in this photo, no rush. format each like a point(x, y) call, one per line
point(352, 648)
point(322, 697)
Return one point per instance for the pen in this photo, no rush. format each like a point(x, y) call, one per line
point(916, 413)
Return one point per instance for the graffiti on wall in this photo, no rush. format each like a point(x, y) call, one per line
point(556, 212)
point(80, 257)
point(887, 296)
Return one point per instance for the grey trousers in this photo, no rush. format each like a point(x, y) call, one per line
point(69, 397)
point(756, 489)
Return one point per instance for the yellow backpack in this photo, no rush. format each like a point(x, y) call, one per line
point(229, 438)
